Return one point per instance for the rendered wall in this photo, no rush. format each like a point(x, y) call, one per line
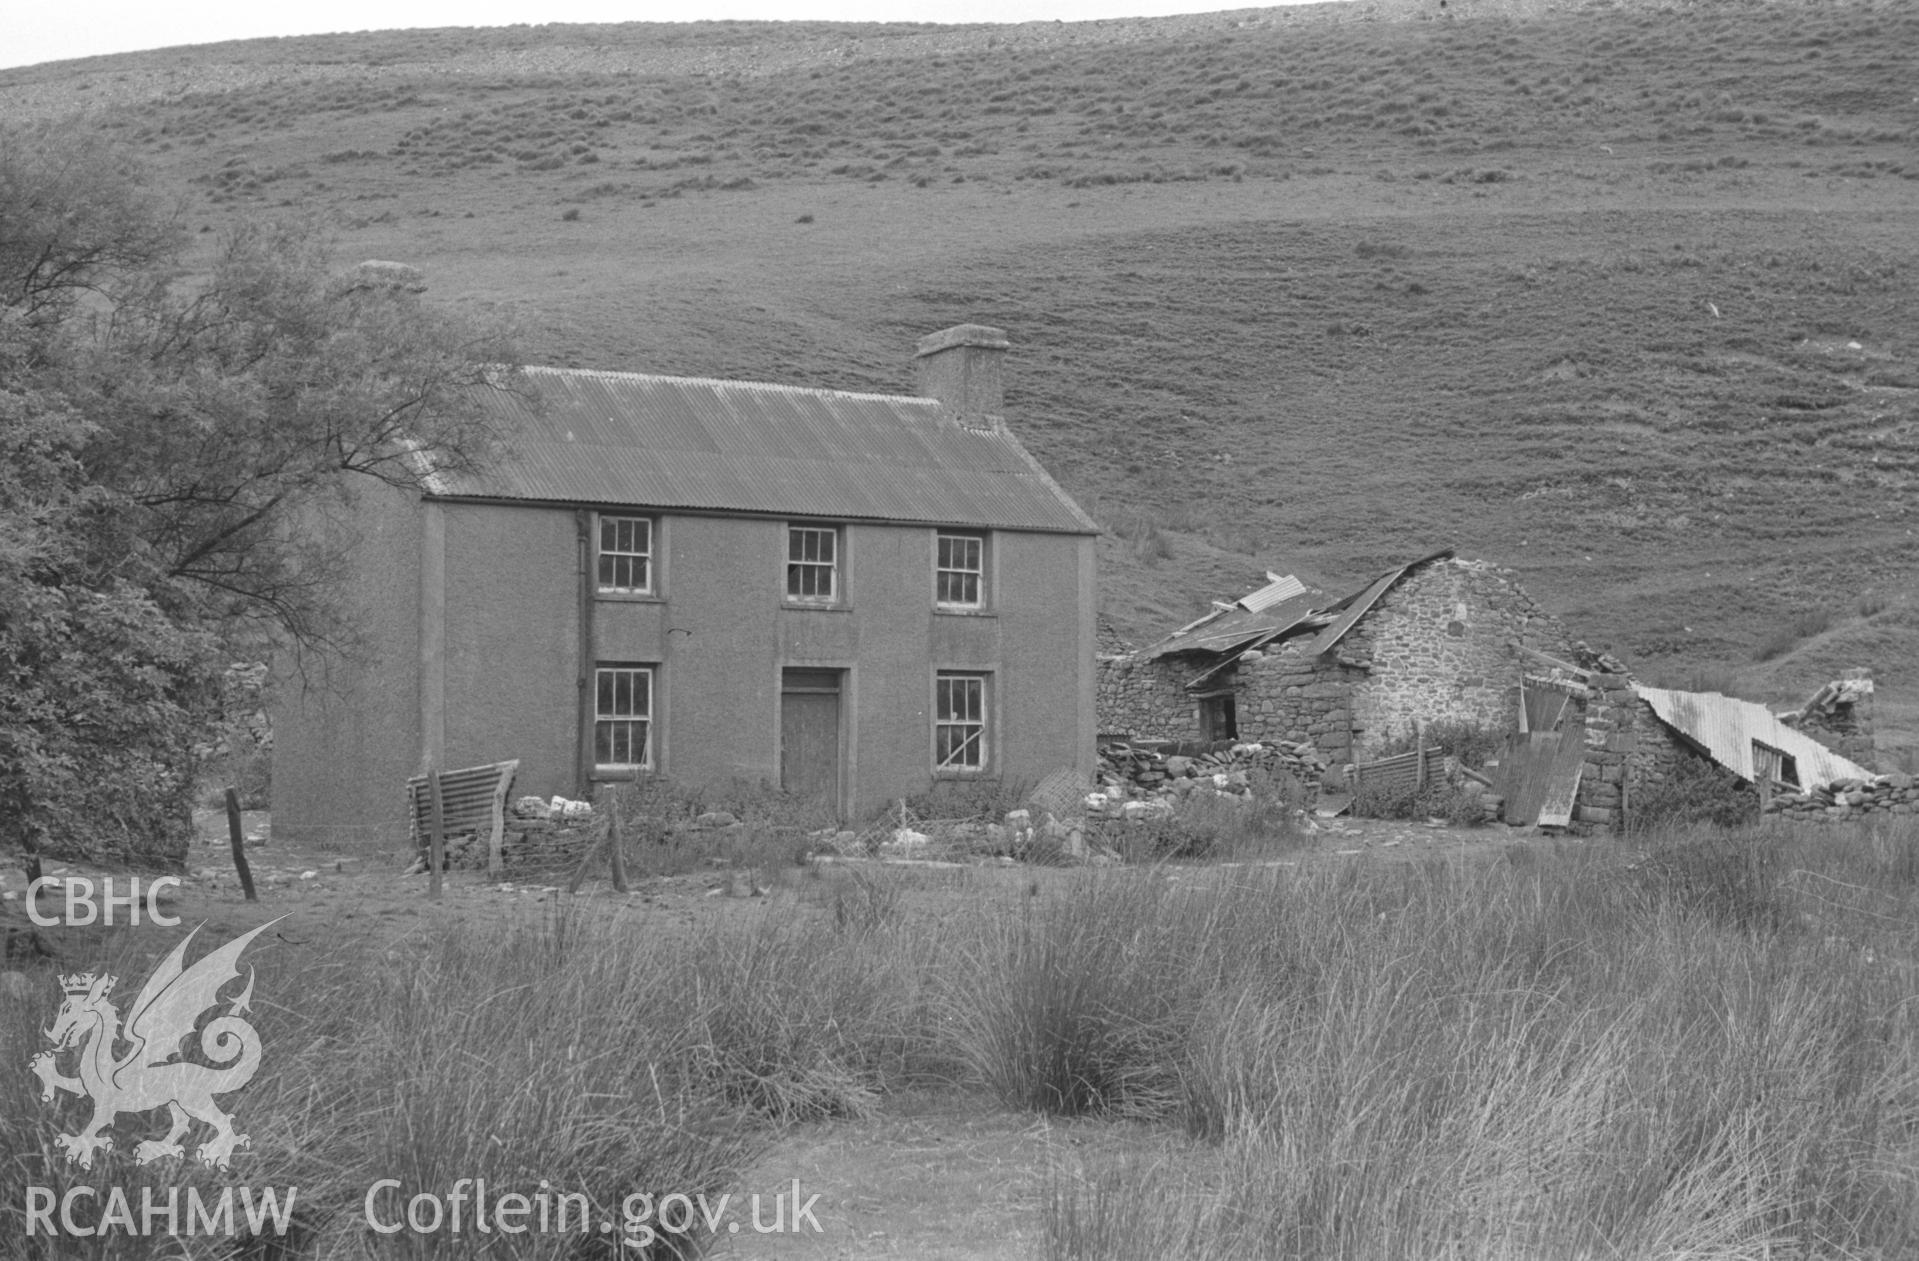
point(346, 725)
point(484, 664)
point(508, 681)
point(1047, 638)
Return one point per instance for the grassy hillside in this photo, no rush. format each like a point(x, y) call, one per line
point(1619, 295)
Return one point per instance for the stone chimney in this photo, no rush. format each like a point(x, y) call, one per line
point(961, 367)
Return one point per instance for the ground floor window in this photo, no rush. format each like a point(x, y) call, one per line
point(959, 722)
point(623, 717)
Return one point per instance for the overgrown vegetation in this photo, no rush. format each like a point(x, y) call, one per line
point(1696, 791)
point(753, 827)
point(563, 1054)
point(1557, 1058)
point(1203, 825)
point(1708, 1047)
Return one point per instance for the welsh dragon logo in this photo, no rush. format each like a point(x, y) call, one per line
point(151, 1074)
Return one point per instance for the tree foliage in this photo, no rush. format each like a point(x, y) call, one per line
point(101, 691)
point(168, 421)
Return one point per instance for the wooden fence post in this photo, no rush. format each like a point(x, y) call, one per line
point(239, 846)
point(436, 836)
point(613, 802)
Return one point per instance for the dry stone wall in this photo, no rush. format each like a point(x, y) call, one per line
point(1135, 697)
point(1850, 801)
point(1628, 751)
point(1289, 696)
point(1439, 649)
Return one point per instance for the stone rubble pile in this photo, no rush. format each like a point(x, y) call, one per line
point(1023, 835)
point(1134, 783)
point(1131, 776)
point(538, 836)
point(1850, 800)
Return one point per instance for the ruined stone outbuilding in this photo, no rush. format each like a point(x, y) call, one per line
point(1444, 639)
point(1436, 639)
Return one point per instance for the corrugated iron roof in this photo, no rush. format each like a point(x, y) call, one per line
point(1235, 627)
point(1726, 727)
point(1264, 615)
point(682, 442)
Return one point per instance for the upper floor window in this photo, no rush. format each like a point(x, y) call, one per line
point(812, 564)
point(626, 554)
point(959, 570)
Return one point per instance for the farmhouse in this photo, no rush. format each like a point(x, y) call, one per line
point(848, 595)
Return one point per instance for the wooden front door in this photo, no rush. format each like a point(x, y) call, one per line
point(810, 734)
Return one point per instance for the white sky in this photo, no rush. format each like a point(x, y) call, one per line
point(33, 31)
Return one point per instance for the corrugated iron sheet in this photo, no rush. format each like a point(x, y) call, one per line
point(1541, 708)
point(1726, 727)
point(470, 798)
point(678, 442)
point(1356, 606)
point(1272, 593)
point(1527, 770)
point(1562, 779)
point(1402, 772)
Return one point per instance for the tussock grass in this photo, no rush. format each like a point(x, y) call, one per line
point(1565, 1058)
point(1075, 1005)
point(572, 1052)
point(1706, 1046)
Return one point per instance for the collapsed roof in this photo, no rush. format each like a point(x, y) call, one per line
point(1738, 734)
point(1283, 609)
